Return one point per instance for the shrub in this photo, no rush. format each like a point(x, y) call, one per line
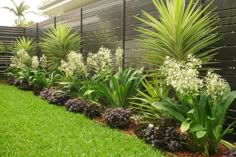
point(73, 65)
point(181, 30)
point(117, 118)
point(37, 89)
point(41, 79)
point(11, 80)
point(58, 98)
point(201, 104)
point(165, 136)
point(153, 90)
point(92, 111)
point(23, 76)
point(25, 43)
point(24, 85)
point(57, 43)
point(76, 105)
point(120, 89)
point(20, 60)
point(46, 93)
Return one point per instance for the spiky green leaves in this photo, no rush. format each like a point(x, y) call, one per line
point(26, 43)
point(181, 30)
point(57, 43)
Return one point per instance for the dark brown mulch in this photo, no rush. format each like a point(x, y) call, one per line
point(131, 129)
point(222, 152)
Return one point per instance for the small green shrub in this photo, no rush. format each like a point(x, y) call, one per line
point(57, 44)
point(153, 90)
point(25, 43)
point(120, 88)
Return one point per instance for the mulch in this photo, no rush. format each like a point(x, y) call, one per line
point(222, 150)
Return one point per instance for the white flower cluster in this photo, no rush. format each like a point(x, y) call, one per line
point(182, 76)
point(101, 61)
point(34, 62)
point(119, 57)
point(43, 61)
point(20, 60)
point(73, 64)
point(215, 85)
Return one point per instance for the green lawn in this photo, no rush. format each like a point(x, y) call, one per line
point(30, 127)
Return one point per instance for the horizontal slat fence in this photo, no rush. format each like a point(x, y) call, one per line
point(226, 58)
point(111, 23)
point(8, 35)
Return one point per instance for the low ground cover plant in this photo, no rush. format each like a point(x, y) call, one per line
point(165, 136)
point(117, 117)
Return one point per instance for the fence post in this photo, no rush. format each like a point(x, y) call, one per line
point(81, 30)
point(24, 31)
point(55, 22)
point(37, 39)
point(123, 5)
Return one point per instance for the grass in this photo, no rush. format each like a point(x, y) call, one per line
point(31, 127)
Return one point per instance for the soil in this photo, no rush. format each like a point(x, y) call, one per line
point(99, 119)
point(130, 130)
point(222, 152)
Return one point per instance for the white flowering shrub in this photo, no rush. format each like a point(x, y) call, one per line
point(119, 57)
point(35, 62)
point(43, 61)
point(215, 85)
point(73, 64)
point(100, 61)
point(20, 60)
point(202, 102)
point(183, 76)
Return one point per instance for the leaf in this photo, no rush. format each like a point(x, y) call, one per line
point(197, 127)
point(185, 126)
point(88, 92)
point(228, 144)
point(200, 134)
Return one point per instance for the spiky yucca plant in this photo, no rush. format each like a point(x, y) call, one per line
point(57, 43)
point(26, 43)
point(181, 30)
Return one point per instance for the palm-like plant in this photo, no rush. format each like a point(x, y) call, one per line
point(26, 43)
point(19, 11)
point(181, 30)
point(57, 43)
